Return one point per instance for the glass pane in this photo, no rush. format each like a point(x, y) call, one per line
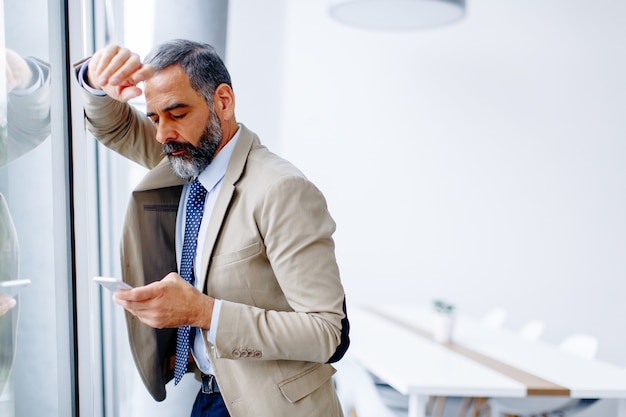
point(30, 331)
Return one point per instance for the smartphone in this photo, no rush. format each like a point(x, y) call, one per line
point(112, 284)
point(13, 287)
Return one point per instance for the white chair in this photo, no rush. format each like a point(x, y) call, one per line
point(583, 345)
point(532, 330)
point(358, 393)
point(495, 318)
point(344, 381)
point(580, 344)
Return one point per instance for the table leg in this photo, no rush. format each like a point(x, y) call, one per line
point(417, 405)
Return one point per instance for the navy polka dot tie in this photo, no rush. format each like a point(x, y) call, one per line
point(193, 218)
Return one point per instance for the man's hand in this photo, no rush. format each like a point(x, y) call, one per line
point(6, 304)
point(171, 302)
point(117, 71)
point(18, 73)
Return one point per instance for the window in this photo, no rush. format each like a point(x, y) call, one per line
point(37, 348)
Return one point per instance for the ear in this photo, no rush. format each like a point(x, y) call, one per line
point(224, 102)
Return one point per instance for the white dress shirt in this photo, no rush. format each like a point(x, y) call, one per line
point(211, 178)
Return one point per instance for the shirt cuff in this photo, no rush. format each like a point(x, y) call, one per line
point(82, 80)
point(212, 333)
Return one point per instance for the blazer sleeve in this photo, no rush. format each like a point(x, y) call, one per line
point(28, 117)
point(297, 233)
point(121, 127)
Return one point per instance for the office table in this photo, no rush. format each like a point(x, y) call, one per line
point(395, 343)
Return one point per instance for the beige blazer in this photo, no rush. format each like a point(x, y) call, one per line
point(269, 254)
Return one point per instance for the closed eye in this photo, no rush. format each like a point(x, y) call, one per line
point(169, 111)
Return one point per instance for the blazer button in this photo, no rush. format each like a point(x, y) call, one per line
point(258, 354)
point(236, 353)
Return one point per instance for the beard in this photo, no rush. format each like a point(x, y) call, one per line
point(190, 164)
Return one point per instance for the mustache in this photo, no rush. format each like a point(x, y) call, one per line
point(171, 147)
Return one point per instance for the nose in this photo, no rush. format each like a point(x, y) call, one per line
point(165, 133)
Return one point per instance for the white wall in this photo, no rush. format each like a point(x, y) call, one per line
point(481, 162)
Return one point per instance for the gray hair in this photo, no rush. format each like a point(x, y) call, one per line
point(200, 61)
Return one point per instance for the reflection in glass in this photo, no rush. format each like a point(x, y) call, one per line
point(24, 125)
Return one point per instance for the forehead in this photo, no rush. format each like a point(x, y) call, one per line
point(168, 86)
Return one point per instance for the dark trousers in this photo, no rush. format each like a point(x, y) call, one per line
point(209, 405)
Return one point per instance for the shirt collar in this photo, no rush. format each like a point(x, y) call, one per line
point(213, 174)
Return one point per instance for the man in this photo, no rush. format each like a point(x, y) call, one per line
point(266, 308)
point(24, 125)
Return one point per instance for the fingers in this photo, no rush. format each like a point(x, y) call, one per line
point(112, 60)
point(6, 304)
point(18, 73)
point(165, 303)
point(139, 294)
point(126, 94)
point(170, 285)
point(115, 66)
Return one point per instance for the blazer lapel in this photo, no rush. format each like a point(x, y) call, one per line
point(148, 254)
point(161, 176)
point(233, 172)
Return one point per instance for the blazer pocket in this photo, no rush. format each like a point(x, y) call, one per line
point(237, 256)
point(301, 385)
